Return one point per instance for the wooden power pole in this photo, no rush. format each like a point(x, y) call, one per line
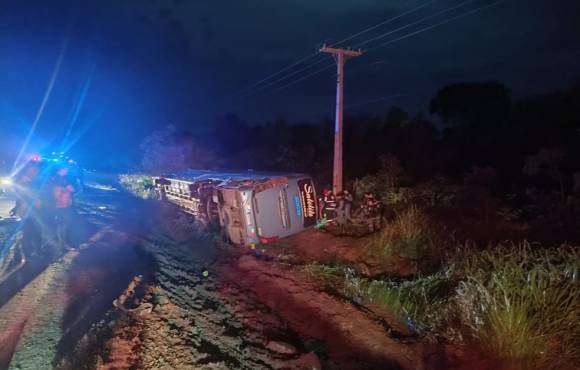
point(340, 56)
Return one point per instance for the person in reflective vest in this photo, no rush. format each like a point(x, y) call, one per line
point(62, 192)
point(327, 205)
point(372, 211)
point(344, 206)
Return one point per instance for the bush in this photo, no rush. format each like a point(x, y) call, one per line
point(138, 185)
point(385, 184)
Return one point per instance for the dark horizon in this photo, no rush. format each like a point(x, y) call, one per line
point(128, 68)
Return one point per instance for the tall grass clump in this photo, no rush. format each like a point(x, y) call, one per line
point(410, 235)
point(329, 275)
point(522, 303)
point(419, 303)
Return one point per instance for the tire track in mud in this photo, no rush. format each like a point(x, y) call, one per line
point(197, 318)
point(251, 314)
point(355, 339)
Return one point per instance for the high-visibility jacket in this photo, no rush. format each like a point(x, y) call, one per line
point(63, 195)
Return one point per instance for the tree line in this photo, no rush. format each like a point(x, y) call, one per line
point(528, 142)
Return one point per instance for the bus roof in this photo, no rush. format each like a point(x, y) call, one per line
point(231, 177)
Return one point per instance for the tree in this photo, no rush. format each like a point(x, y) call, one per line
point(476, 105)
point(170, 150)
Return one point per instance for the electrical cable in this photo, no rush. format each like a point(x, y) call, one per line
point(459, 16)
point(446, 10)
point(310, 56)
point(303, 78)
point(276, 74)
point(403, 36)
point(258, 89)
point(385, 22)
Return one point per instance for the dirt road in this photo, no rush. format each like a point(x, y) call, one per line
point(197, 306)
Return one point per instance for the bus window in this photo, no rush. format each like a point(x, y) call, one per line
point(256, 208)
point(283, 208)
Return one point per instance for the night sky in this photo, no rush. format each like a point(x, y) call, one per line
point(128, 67)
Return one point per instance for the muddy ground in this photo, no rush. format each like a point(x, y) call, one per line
point(131, 298)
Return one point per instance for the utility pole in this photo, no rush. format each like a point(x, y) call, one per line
point(340, 55)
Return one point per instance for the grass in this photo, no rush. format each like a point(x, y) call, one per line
point(325, 274)
point(519, 302)
point(416, 302)
point(411, 235)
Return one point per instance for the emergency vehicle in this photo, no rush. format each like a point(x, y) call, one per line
point(252, 207)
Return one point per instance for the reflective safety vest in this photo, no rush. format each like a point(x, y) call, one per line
point(63, 196)
point(329, 202)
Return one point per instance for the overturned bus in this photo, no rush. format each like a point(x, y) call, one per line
point(252, 207)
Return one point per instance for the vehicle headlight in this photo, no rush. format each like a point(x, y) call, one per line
point(6, 181)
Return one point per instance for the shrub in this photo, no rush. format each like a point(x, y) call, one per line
point(385, 183)
point(138, 185)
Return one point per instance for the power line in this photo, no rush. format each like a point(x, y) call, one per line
point(385, 22)
point(473, 11)
point(276, 74)
point(258, 89)
point(446, 10)
point(310, 56)
point(303, 78)
point(402, 37)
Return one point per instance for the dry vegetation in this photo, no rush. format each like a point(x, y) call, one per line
point(517, 303)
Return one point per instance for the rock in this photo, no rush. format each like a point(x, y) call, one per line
point(281, 347)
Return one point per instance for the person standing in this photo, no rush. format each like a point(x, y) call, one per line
point(344, 206)
point(328, 205)
point(62, 192)
point(372, 210)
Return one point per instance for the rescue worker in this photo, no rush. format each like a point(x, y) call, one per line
point(62, 192)
point(372, 211)
point(327, 205)
point(344, 206)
